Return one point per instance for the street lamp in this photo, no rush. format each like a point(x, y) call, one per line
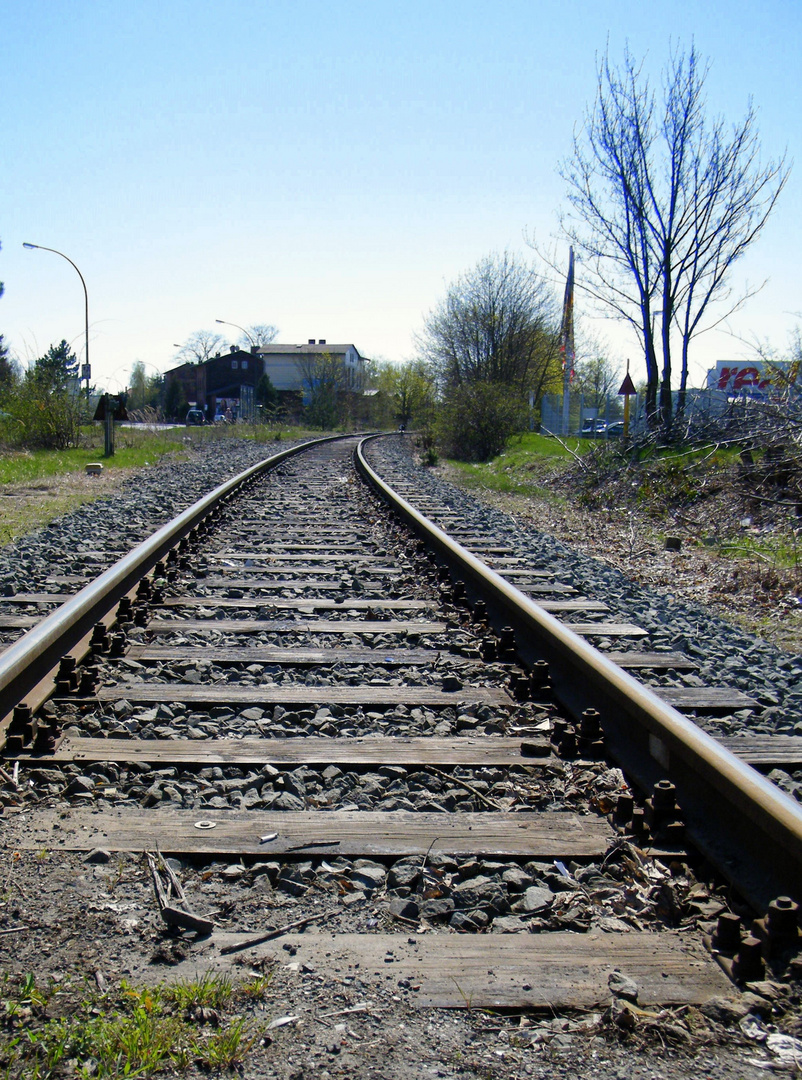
point(86, 372)
point(238, 327)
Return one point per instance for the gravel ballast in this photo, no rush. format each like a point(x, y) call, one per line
point(387, 1036)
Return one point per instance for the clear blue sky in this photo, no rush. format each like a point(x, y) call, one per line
point(329, 167)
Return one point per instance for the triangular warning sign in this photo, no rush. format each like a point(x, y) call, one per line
point(627, 387)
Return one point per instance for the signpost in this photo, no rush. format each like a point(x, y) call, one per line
point(109, 409)
point(627, 391)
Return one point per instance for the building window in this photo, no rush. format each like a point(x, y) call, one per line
point(234, 365)
point(244, 365)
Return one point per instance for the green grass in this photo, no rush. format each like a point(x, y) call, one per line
point(134, 450)
point(133, 1032)
point(780, 551)
point(520, 469)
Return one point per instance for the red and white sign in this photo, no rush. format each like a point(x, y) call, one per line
point(743, 376)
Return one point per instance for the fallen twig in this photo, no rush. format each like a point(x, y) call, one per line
point(567, 448)
point(312, 844)
point(268, 935)
point(178, 913)
point(468, 787)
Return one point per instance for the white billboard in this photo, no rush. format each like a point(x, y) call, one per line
point(751, 378)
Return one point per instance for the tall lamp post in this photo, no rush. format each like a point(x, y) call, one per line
point(86, 372)
point(238, 327)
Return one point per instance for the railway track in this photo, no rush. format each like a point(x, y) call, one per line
point(338, 715)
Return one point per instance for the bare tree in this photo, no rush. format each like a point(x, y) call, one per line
point(201, 346)
point(258, 334)
point(496, 324)
point(664, 202)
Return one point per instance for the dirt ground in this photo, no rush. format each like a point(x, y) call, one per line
point(715, 566)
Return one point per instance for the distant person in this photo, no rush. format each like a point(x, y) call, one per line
point(229, 415)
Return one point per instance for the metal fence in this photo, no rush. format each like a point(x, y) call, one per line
point(708, 412)
point(590, 415)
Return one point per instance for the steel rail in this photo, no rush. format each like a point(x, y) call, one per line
point(748, 828)
point(24, 663)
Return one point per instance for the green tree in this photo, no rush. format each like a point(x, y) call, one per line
point(144, 391)
point(408, 390)
point(57, 370)
point(8, 373)
point(266, 395)
point(664, 201)
point(597, 377)
point(325, 381)
point(46, 404)
point(175, 400)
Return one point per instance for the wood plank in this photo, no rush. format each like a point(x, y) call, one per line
point(297, 568)
point(654, 660)
point(393, 834)
point(298, 626)
point(303, 557)
point(276, 584)
point(567, 605)
point(36, 598)
point(268, 654)
point(766, 751)
point(492, 971)
point(601, 629)
point(706, 698)
point(763, 751)
point(466, 750)
point(236, 695)
point(299, 603)
point(354, 544)
point(537, 587)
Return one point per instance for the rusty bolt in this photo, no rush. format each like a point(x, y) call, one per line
point(728, 932)
point(623, 808)
point(589, 726)
point(663, 796)
point(782, 917)
point(749, 962)
point(99, 641)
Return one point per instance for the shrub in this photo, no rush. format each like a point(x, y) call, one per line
point(476, 421)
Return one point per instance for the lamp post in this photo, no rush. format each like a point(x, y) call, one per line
point(238, 327)
point(86, 372)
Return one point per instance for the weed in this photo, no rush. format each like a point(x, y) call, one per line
point(227, 1048)
point(131, 1034)
point(256, 989)
point(209, 992)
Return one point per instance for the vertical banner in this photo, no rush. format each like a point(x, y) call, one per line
point(567, 340)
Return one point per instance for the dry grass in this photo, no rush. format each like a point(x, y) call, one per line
point(26, 507)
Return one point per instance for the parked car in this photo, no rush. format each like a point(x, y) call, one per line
point(219, 418)
point(195, 417)
point(614, 430)
point(592, 429)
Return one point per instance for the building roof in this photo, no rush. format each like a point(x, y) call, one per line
point(309, 349)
